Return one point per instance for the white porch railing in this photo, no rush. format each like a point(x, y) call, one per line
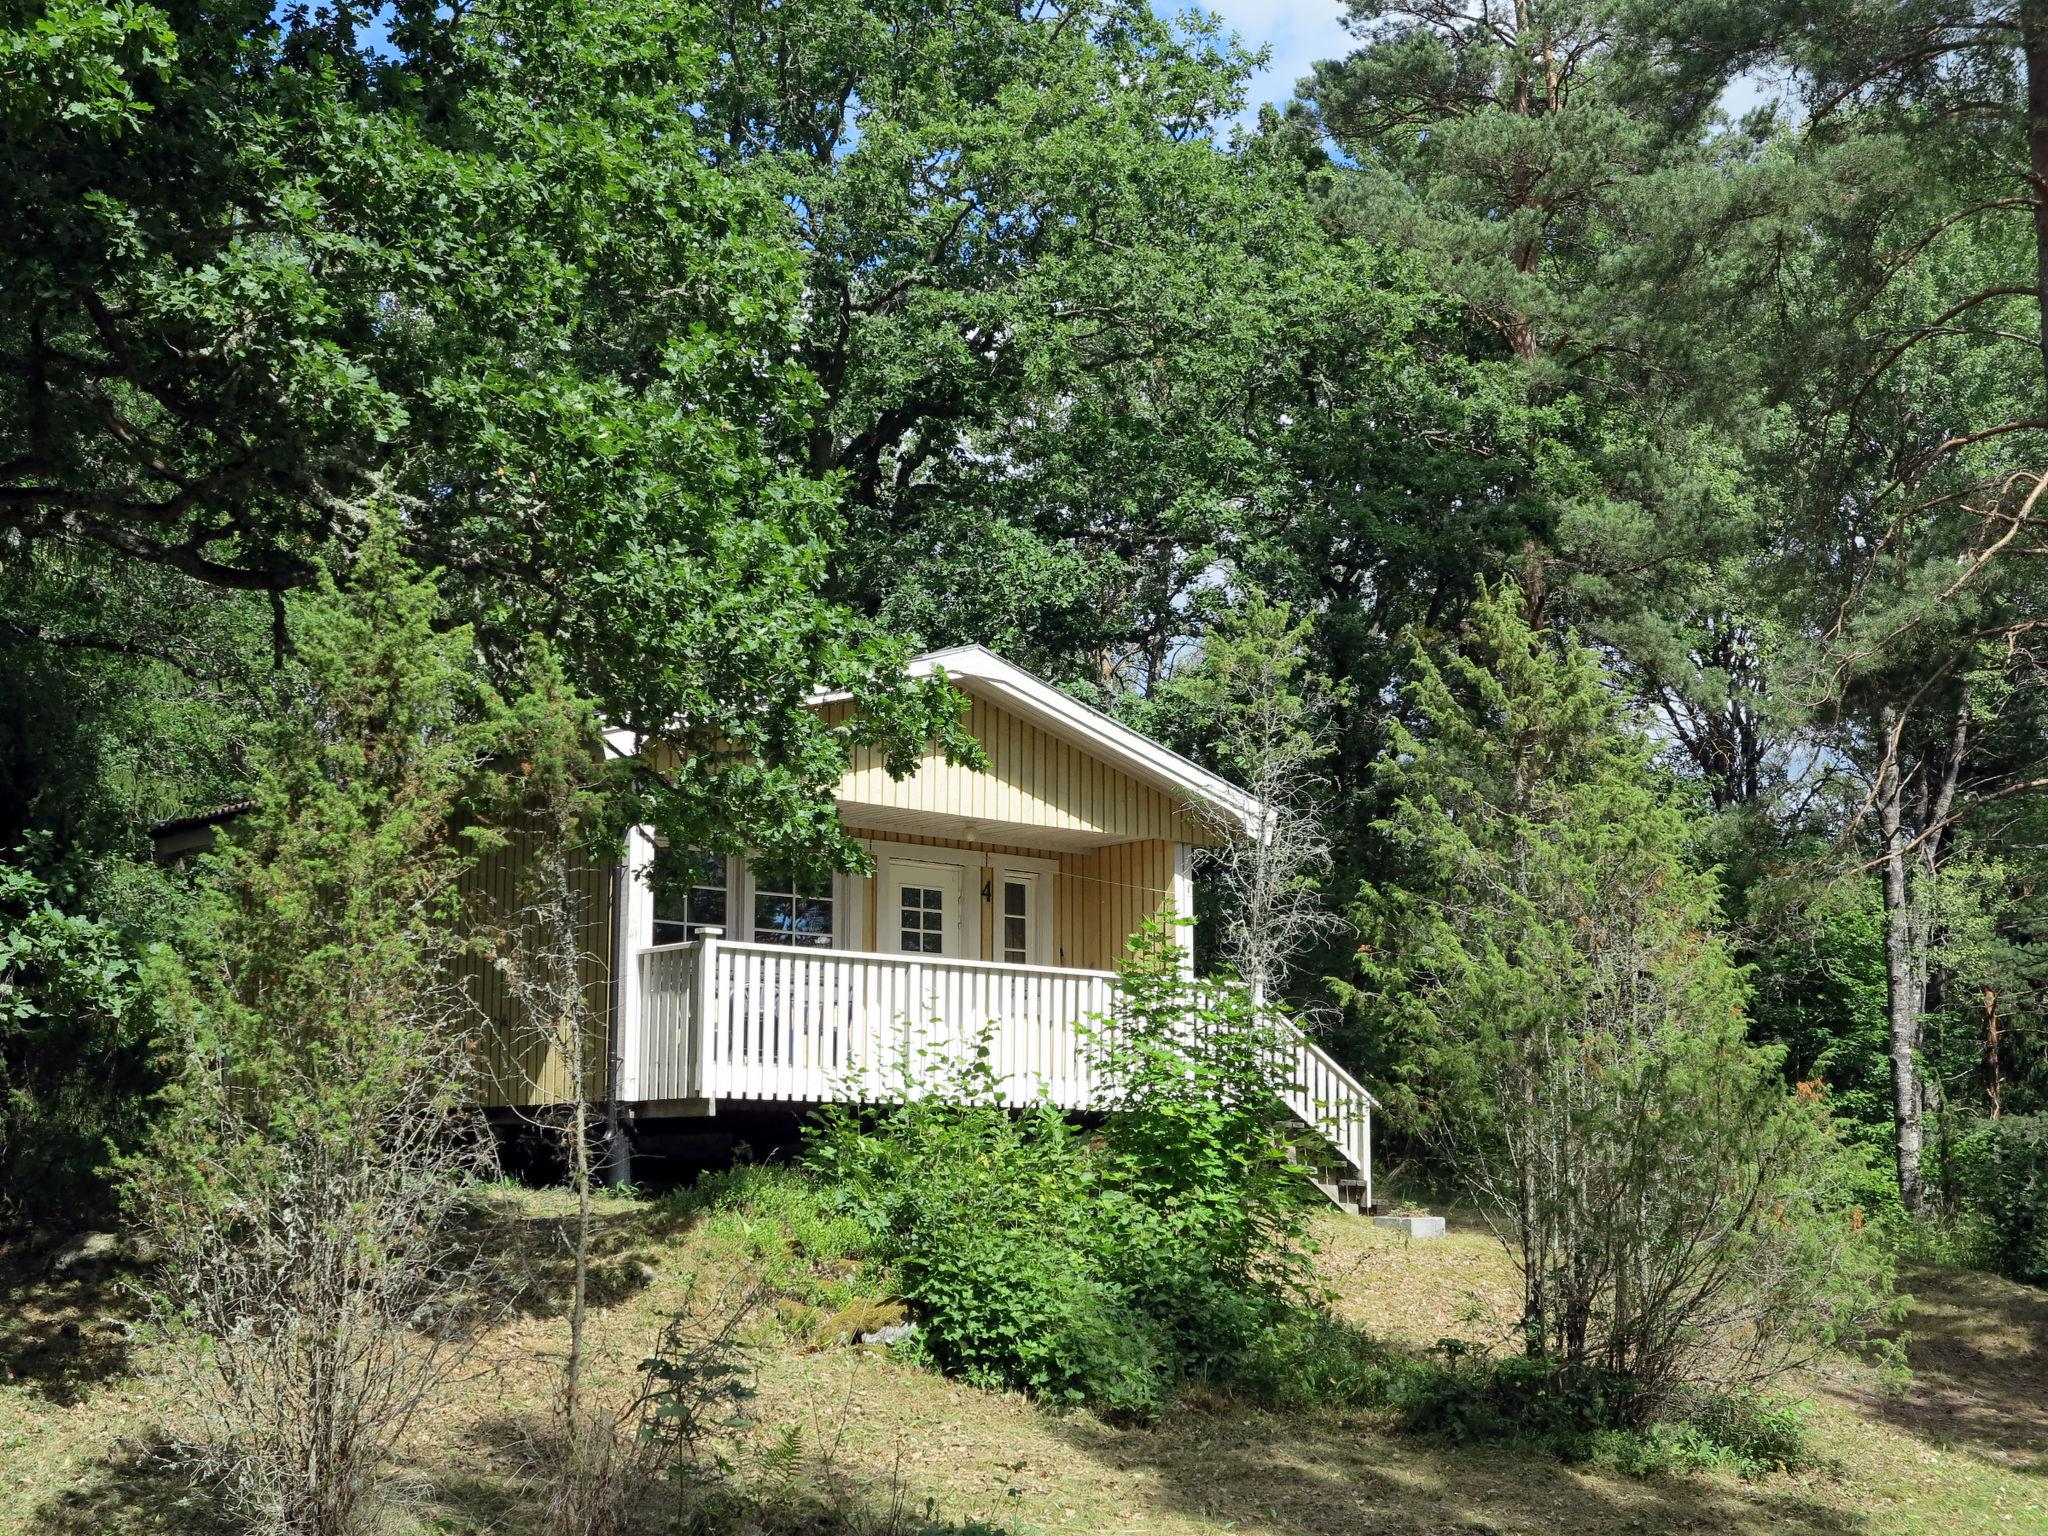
point(811, 1025)
point(770, 1023)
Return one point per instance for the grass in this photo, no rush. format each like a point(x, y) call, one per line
point(1964, 1449)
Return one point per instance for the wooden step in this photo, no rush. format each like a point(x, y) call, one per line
point(1306, 1149)
point(1345, 1195)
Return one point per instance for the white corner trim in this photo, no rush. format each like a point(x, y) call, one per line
point(1184, 904)
point(638, 921)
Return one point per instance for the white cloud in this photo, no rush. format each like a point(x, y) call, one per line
point(1298, 31)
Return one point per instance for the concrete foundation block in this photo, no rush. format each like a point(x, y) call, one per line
point(1412, 1226)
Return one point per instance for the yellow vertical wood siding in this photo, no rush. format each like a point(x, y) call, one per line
point(516, 1065)
point(1033, 779)
point(1104, 896)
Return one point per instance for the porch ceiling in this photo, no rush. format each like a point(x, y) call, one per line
point(864, 817)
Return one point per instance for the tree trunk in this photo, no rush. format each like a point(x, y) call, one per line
point(2034, 46)
point(1996, 1088)
point(1535, 1263)
point(574, 1044)
point(579, 1299)
point(1903, 967)
point(1912, 861)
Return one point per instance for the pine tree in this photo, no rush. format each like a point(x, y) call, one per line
point(1574, 1035)
point(304, 1184)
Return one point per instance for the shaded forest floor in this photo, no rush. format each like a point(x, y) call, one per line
point(1963, 1449)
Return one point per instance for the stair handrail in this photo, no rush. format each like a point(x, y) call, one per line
point(1352, 1140)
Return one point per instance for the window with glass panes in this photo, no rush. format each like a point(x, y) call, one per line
point(789, 909)
point(691, 893)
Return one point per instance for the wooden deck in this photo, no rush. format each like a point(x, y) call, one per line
point(766, 1023)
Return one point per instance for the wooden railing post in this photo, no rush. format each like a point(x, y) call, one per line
point(699, 1035)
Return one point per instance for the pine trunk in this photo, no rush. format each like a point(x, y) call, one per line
point(2033, 19)
point(1904, 965)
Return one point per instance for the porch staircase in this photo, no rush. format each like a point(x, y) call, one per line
point(1336, 1180)
point(1328, 1129)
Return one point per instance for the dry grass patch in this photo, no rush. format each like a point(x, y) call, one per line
point(1961, 1451)
point(1979, 1350)
point(1459, 1286)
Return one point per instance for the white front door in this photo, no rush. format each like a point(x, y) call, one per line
point(923, 909)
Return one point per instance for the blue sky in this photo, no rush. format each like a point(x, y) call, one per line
point(1302, 31)
point(1299, 32)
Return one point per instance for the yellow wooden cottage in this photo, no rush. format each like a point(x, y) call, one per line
point(1001, 900)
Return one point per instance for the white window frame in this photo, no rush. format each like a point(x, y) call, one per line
point(749, 887)
point(740, 889)
point(656, 846)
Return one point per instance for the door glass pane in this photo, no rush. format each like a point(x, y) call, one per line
point(921, 920)
point(1016, 922)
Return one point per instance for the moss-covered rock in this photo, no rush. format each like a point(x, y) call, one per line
point(867, 1314)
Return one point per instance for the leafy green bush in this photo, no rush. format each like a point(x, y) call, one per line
point(1309, 1359)
point(1101, 1269)
point(996, 1239)
point(1535, 1403)
point(1748, 1431)
point(1212, 1217)
point(77, 1031)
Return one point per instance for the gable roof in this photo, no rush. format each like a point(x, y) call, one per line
point(979, 670)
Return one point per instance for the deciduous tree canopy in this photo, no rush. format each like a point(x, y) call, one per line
point(736, 350)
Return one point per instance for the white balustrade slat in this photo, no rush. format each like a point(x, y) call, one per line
point(762, 996)
point(777, 976)
point(739, 1008)
point(733, 1010)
